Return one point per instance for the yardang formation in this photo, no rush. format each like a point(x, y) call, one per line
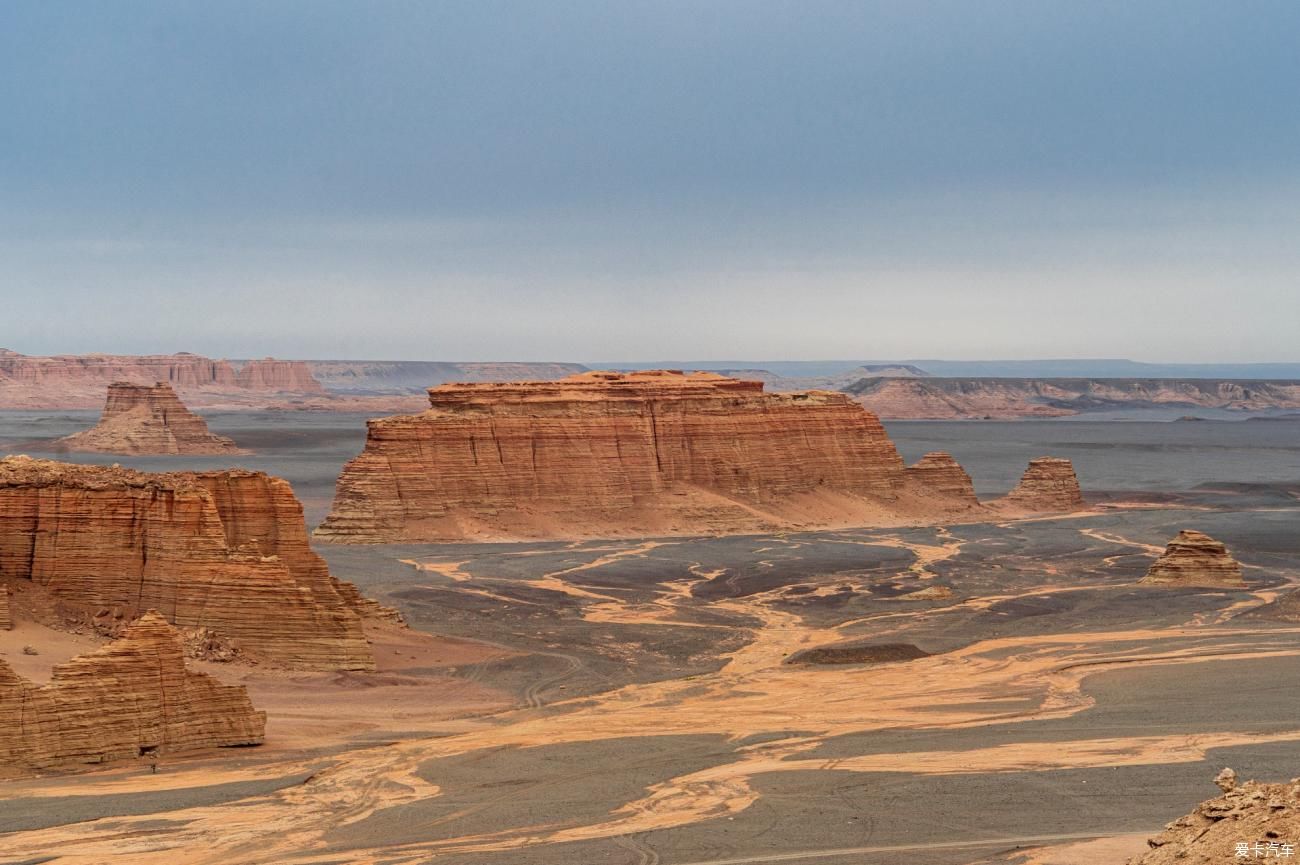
point(144, 419)
point(1195, 559)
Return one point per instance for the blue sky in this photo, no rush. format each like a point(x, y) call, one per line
point(560, 180)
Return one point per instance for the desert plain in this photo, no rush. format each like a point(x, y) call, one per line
point(997, 690)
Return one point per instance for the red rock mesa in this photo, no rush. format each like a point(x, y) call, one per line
point(278, 375)
point(940, 473)
point(131, 697)
point(602, 454)
point(1048, 485)
point(78, 381)
point(1194, 558)
point(141, 419)
point(222, 550)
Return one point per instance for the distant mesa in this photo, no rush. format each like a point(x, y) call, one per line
point(222, 550)
point(148, 419)
point(133, 697)
point(1195, 559)
point(269, 374)
point(1049, 485)
point(605, 454)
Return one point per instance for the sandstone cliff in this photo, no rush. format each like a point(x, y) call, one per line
point(78, 381)
point(619, 453)
point(278, 375)
point(6, 618)
point(1194, 558)
point(1263, 817)
point(131, 697)
point(143, 419)
point(942, 398)
point(1049, 485)
point(224, 550)
point(938, 473)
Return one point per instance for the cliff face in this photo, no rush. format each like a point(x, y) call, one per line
point(940, 474)
point(78, 381)
point(140, 419)
point(6, 618)
point(1194, 558)
point(940, 398)
point(131, 697)
point(221, 550)
point(278, 375)
point(603, 453)
point(1048, 485)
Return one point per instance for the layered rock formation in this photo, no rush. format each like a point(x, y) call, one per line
point(1194, 558)
point(940, 398)
point(144, 419)
point(220, 550)
point(130, 698)
point(6, 617)
point(1263, 817)
point(78, 381)
point(1049, 485)
point(939, 473)
point(278, 375)
point(618, 453)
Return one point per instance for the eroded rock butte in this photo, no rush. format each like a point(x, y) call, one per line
point(608, 454)
point(1048, 485)
point(129, 698)
point(148, 419)
point(224, 550)
point(1194, 558)
point(940, 473)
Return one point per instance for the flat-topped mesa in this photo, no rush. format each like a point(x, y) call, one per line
point(278, 375)
point(1048, 485)
point(181, 370)
point(605, 453)
point(223, 550)
point(938, 473)
point(148, 419)
point(1194, 558)
point(129, 698)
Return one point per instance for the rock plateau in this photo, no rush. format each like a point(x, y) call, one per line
point(130, 698)
point(148, 419)
point(223, 550)
point(1194, 558)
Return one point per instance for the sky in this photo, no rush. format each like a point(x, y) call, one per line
point(617, 179)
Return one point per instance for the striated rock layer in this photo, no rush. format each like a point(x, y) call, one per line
point(129, 698)
point(144, 419)
point(618, 453)
point(222, 550)
point(278, 375)
point(938, 472)
point(1048, 485)
point(1195, 559)
point(6, 617)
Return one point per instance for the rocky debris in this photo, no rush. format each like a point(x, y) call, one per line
point(6, 617)
point(224, 550)
point(203, 644)
point(1194, 558)
point(930, 593)
point(1048, 485)
point(269, 374)
point(30, 650)
point(148, 419)
point(130, 698)
point(857, 653)
point(1285, 608)
point(605, 453)
point(937, 472)
point(1263, 817)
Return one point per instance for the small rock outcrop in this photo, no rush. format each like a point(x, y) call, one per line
point(223, 550)
point(130, 698)
point(1049, 485)
point(1262, 817)
point(1195, 559)
point(857, 652)
point(939, 473)
point(148, 419)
